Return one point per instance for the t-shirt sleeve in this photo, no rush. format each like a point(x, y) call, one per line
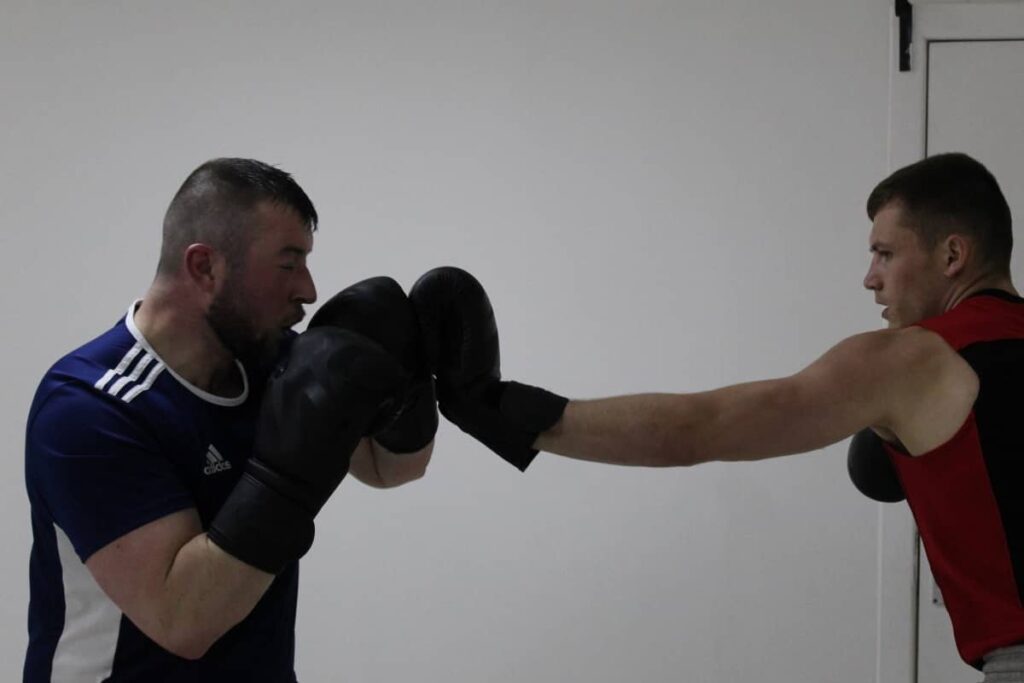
point(97, 468)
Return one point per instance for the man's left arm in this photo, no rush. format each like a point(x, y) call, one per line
point(862, 381)
point(379, 309)
point(376, 466)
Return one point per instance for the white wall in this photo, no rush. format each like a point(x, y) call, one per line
point(658, 196)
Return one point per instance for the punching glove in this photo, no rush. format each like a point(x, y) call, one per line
point(333, 388)
point(871, 471)
point(461, 340)
point(378, 308)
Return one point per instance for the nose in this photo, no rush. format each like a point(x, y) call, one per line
point(306, 290)
point(871, 280)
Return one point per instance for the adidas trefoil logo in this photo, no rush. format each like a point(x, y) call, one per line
point(215, 462)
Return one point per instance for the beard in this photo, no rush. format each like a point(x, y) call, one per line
point(232, 322)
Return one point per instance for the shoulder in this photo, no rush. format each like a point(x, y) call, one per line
point(89, 392)
point(87, 364)
point(912, 359)
point(80, 369)
point(907, 348)
point(888, 367)
point(927, 357)
point(917, 346)
point(931, 389)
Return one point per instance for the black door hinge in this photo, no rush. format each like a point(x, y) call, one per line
point(905, 14)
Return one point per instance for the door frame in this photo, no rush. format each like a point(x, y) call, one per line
point(933, 21)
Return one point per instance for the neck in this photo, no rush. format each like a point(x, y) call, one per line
point(177, 330)
point(978, 284)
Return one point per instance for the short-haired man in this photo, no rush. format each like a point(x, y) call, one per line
point(172, 487)
point(941, 386)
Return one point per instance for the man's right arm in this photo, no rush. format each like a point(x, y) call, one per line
point(177, 586)
point(146, 548)
point(909, 382)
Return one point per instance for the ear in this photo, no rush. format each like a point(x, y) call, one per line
point(204, 267)
point(955, 252)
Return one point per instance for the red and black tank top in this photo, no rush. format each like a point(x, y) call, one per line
point(967, 495)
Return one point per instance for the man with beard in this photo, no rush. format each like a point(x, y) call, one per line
point(171, 499)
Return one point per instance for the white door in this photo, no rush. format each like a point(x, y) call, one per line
point(975, 105)
point(970, 60)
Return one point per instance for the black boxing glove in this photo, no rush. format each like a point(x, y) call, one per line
point(871, 470)
point(334, 388)
point(461, 341)
point(378, 308)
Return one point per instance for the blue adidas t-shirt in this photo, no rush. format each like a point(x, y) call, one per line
point(116, 440)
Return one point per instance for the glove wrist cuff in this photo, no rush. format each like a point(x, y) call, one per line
point(262, 527)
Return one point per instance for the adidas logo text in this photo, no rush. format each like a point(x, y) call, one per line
point(215, 462)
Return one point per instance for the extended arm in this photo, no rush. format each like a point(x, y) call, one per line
point(908, 382)
point(874, 379)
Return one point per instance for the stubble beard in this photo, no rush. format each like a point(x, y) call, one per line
point(231, 321)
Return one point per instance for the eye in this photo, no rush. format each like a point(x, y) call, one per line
point(289, 266)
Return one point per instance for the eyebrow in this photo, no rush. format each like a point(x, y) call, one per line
point(880, 246)
point(297, 251)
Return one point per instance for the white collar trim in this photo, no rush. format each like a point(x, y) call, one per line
point(129, 321)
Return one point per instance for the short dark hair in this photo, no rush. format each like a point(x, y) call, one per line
point(949, 193)
point(215, 205)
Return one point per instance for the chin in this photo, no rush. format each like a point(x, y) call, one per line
point(263, 351)
point(271, 344)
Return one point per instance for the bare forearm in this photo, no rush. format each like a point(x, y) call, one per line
point(176, 585)
point(642, 429)
point(206, 593)
point(741, 422)
point(378, 467)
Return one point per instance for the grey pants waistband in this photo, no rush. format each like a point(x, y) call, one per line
point(1005, 665)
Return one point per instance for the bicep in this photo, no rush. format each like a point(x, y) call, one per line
point(849, 388)
point(132, 569)
point(842, 392)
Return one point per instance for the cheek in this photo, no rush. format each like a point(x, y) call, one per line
point(257, 296)
point(264, 286)
point(914, 289)
point(903, 276)
point(284, 283)
point(273, 296)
